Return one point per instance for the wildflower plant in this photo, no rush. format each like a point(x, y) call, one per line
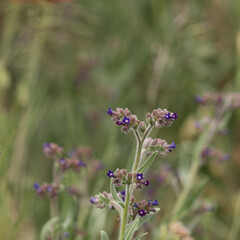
point(124, 183)
point(69, 173)
point(189, 197)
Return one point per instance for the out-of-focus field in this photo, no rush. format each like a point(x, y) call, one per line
point(63, 64)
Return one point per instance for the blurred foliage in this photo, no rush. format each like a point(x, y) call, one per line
point(63, 64)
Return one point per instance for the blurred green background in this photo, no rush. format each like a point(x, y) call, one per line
point(63, 64)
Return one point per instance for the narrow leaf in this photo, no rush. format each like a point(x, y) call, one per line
point(104, 235)
point(115, 195)
point(103, 199)
point(140, 236)
point(132, 228)
point(147, 163)
point(47, 227)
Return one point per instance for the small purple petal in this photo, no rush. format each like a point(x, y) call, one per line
point(36, 185)
point(142, 213)
point(139, 176)
point(49, 188)
point(110, 112)
point(110, 174)
point(167, 116)
point(173, 146)
point(119, 122)
point(126, 120)
point(92, 200)
point(123, 192)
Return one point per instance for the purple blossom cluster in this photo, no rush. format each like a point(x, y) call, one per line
point(122, 177)
point(46, 189)
point(124, 118)
point(231, 99)
point(52, 149)
point(71, 164)
point(215, 153)
point(143, 208)
point(160, 145)
point(161, 118)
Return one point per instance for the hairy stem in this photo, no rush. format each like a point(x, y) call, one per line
point(125, 212)
point(139, 147)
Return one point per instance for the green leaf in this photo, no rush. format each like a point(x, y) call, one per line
point(47, 227)
point(147, 163)
point(104, 235)
point(140, 236)
point(114, 194)
point(103, 199)
point(146, 217)
point(132, 228)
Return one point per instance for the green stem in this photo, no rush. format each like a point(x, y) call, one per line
point(139, 147)
point(125, 212)
point(129, 189)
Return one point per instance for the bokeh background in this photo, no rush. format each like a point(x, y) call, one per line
point(62, 64)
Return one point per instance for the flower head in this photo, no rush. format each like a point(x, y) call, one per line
point(142, 212)
point(92, 200)
point(172, 145)
point(139, 176)
point(146, 183)
point(110, 174)
point(110, 112)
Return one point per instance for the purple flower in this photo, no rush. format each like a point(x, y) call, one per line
point(119, 122)
point(46, 145)
point(81, 163)
point(174, 116)
point(110, 173)
point(199, 99)
point(226, 157)
point(153, 203)
point(173, 146)
point(135, 205)
point(63, 161)
point(110, 112)
point(92, 200)
point(139, 176)
point(126, 120)
point(146, 183)
point(49, 188)
point(36, 185)
point(142, 212)
point(167, 116)
point(123, 192)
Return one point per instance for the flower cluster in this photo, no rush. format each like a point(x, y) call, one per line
point(122, 177)
point(161, 146)
point(124, 118)
point(143, 208)
point(52, 149)
point(46, 189)
point(231, 99)
point(209, 98)
point(161, 118)
point(179, 230)
point(73, 164)
point(215, 153)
